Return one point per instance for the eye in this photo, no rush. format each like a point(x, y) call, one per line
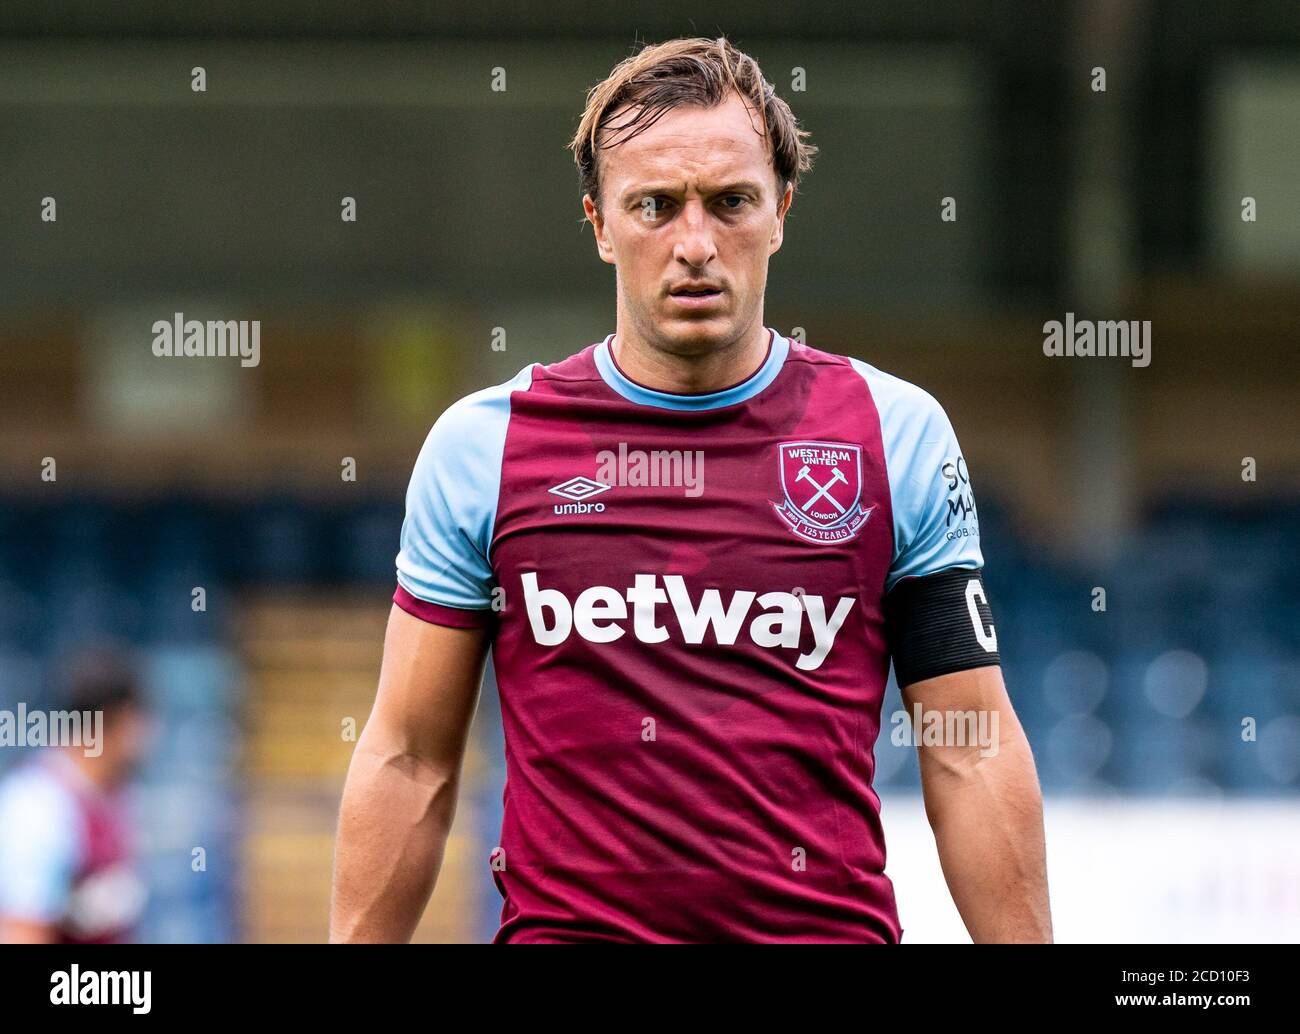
point(652, 206)
point(735, 197)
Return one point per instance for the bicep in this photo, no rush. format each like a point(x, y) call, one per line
point(975, 689)
point(428, 688)
point(966, 719)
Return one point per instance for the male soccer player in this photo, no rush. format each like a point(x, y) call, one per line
point(694, 547)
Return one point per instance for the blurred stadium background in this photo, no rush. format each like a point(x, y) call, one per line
point(1163, 824)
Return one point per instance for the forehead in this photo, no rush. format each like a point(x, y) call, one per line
point(689, 143)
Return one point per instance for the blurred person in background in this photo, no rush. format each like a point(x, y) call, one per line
point(66, 869)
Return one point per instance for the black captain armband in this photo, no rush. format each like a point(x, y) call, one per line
point(938, 624)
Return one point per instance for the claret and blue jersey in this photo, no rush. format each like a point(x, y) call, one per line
point(685, 595)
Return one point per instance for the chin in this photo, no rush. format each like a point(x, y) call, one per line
point(696, 334)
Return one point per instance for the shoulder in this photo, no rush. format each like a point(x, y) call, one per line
point(909, 415)
point(458, 469)
point(468, 438)
point(480, 410)
point(41, 845)
point(33, 799)
point(893, 396)
point(899, 402)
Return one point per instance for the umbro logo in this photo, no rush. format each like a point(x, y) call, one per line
point(578, 490)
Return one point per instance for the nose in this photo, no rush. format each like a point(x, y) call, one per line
point(695, 245)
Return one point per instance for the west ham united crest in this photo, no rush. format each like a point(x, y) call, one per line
point(822, 483)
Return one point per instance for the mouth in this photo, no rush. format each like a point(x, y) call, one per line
point(696, 296)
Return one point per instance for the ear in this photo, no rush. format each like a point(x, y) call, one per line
point(778, 231)
point(603, 247)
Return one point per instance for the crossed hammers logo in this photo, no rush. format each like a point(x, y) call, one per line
point(837, 476)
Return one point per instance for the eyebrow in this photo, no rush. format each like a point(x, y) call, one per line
point(653, 189)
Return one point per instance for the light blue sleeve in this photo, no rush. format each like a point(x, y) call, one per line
point(935, 523)
point(39, 847)
point(451, 501)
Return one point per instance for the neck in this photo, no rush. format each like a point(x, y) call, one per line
point(661, 370)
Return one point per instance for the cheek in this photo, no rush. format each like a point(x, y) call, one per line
point(749, 247)
point(642, 258)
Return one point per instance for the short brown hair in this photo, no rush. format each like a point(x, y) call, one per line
point(681, 72)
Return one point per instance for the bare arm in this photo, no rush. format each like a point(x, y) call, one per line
point(400, 794)
point(986, 812)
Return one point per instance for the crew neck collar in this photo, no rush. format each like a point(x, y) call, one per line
point(778, 348)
